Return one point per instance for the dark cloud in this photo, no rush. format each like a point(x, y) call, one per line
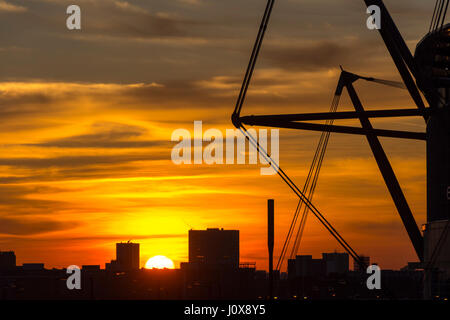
point(113, 18)
point(117, 171)
point(165, 40)
point(25, 104)
point(78, 161)
point(124, 237)
point(130, 20)
point(51, 51)
point(28, 99)
point(112, 237)
point(378, 228)
point(110, 135)
point(320, 55)
point(16, 199)
point(85, 142)
point(20, 226)
point(52, 242)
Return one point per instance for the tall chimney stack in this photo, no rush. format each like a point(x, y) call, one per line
point(270, 242)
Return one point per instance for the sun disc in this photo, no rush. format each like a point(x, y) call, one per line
point(159, 262)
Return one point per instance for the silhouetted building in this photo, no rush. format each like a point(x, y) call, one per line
point(112, 266)
point(336, 262)
point(306, 266)
point(127, 256)
point(214, 247)
point(357, 267)
point(7, 260)
point(33, 266)
point(413, 266)
point(94, 267)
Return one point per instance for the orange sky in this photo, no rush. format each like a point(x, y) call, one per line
point(88, 116)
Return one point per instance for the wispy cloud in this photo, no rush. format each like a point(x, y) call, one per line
point(9, 7)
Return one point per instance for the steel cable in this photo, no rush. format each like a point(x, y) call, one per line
point(302, 196)
point(254, 57)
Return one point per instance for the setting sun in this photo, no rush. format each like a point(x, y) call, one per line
point(159, 262)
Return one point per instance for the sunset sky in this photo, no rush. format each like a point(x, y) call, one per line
point(87, 117)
